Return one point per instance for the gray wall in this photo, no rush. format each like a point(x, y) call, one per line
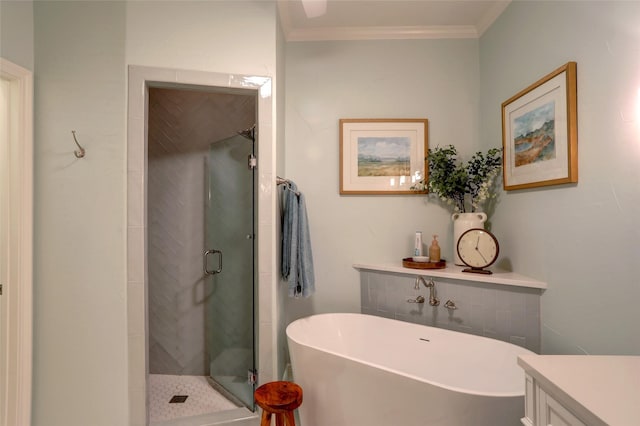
point(80, 345)
point(581, 239)
point(16, 32)
point(326, 81)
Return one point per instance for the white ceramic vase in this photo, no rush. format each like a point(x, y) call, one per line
point(462, 222)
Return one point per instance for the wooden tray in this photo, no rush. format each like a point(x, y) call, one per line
point(408, 262)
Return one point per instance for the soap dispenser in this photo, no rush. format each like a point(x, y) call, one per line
point(434, 250)
point(418, 244)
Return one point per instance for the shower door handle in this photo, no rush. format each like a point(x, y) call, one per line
point(207, 271)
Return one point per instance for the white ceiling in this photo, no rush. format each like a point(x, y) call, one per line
point(390, 19)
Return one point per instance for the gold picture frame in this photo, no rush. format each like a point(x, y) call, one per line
point(382, 156)
point(540, 132)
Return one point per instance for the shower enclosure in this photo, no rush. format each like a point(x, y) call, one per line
point(201, 206)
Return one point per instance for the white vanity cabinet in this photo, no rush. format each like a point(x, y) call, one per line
point(567, 390)
point(552, 412)
point(542, 409)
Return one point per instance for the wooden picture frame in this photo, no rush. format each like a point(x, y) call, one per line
point(382, 156)
point(540, 132)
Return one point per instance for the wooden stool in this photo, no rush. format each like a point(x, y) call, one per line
point(279, 398)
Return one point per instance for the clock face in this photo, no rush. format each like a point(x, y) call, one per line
point(478, 248)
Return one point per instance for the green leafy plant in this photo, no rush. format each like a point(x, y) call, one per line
point(454, 183)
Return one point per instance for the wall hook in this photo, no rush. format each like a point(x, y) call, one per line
point(79, 153)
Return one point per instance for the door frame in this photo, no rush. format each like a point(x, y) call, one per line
point(18, 318)
point(140, 78)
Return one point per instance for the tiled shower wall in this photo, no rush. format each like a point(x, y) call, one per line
point(182, 125)
point(503, 312)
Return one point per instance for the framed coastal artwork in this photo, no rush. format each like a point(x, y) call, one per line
point(382, 156)
point(540, 132)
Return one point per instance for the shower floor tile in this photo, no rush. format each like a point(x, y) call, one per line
point(201, 397)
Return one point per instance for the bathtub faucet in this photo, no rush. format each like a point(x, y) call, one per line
point(431, 285)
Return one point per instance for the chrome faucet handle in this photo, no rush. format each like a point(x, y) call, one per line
point(433, 300)
point(419, 299)
point(450, 304)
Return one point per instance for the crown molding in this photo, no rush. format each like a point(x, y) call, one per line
point(292, 33)
point(381, 33)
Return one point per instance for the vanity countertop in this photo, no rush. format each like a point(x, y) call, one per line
point(600, 389)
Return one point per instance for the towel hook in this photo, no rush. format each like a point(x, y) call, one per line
point(79, 153)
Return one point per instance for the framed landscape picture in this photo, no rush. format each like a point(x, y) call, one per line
point(540, 132)
point(382, 156)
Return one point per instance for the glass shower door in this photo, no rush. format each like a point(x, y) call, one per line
point(230, 264)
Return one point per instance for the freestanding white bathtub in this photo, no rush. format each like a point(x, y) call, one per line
point(363, 370)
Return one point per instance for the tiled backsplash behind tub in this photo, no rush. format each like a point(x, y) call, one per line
point(498, 311)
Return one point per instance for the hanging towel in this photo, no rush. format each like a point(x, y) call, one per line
point(289, 226)
point(297, 259)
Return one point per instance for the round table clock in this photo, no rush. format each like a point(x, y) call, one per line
point(478, 249)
